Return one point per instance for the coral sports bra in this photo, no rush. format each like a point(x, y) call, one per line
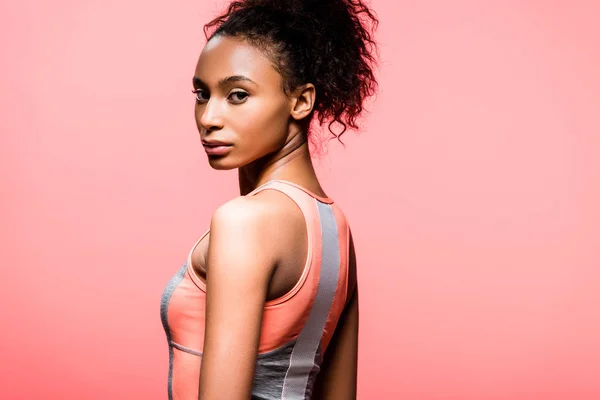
point(296, 328)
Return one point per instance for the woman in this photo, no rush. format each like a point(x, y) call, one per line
point(266, 305)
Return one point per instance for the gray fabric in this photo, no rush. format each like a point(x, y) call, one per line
point(270, 373)
point(305, 359)
point(185, 349)
point(312, 376)
point(164, 317)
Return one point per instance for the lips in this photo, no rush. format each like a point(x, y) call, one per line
point(213, 143)
point(216, 147)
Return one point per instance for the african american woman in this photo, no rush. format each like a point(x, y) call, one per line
point(266, 304)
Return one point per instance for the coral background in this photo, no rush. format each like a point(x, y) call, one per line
point(473, 190)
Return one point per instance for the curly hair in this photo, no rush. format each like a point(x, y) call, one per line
point(329, 43)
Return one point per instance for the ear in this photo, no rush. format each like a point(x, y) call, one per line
point(303, 101)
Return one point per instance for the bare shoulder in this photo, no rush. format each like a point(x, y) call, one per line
point(237, 230)
point(255, 226)
point(257, 212)
point(239, 211)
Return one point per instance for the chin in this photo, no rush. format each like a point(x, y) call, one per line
point(222, 163)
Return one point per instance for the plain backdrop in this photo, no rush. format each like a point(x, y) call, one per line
point(473, 191)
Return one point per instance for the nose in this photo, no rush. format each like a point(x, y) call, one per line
point(209, 116)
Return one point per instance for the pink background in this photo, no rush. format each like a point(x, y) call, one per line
point(473, 193)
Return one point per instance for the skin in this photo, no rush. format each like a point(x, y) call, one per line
point(240, 101)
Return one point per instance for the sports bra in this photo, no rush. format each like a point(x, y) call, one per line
point(296, 327)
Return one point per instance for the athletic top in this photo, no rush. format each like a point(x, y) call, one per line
point(296, 328)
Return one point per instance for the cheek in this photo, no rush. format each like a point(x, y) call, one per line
point(262, 124)
point(258, 130)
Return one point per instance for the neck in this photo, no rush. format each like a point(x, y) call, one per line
point(292, 163)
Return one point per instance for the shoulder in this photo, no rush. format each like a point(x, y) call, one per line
point(258, 212)
point(249, 212)
point(262, 225)
point(252, 226)
point(237, 212)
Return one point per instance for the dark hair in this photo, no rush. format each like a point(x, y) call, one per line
point(328, 43)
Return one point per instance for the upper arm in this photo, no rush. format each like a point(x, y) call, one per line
point(337, 378)
point(239, 268)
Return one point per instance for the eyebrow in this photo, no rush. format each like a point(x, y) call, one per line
point(224, 81)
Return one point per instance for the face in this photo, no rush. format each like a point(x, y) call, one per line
point(242, 113)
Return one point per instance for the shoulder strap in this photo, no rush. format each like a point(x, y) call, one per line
point(288, 187)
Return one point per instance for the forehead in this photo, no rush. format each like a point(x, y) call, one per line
point(225, 56)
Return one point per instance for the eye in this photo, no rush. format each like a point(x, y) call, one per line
point(238, 97)
point(202, 96)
